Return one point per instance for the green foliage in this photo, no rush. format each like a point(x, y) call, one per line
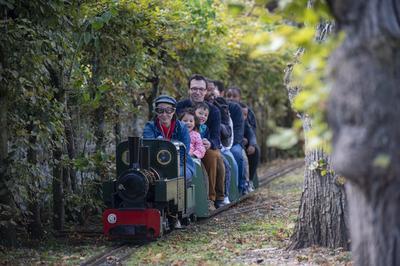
point(302, 30)
point(76, 70)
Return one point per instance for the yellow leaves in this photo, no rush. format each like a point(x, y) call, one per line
point(310, 17)
point(382, 161)
point(303, 36)
point(157, 258)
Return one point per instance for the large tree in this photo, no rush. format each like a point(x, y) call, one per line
point(364, 113)
point(323, 209)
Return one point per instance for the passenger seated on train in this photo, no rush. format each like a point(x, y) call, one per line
point(202, 111)
point(166, 126)
point(237, 148)
point(213, 96)
point(197, 149)
point(236, 115)
point(197, 91)
point(249, 141)
point(254, 157)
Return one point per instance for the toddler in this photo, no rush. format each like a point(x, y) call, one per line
point(202, 110)
point(197, 148)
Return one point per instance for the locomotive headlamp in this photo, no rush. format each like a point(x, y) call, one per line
point(112, 218)
point(164, 157)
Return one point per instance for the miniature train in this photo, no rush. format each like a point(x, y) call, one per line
point(151, 193)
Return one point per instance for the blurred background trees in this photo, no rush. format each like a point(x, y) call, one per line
point(77, 77)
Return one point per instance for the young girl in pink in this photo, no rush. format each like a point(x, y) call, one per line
point(197, 148)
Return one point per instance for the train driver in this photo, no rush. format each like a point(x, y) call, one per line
point(165, 125)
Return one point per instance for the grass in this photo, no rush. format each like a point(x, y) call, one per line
point(230, 239)
point(222, 239)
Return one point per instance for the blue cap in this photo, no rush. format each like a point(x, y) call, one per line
point(165, 99)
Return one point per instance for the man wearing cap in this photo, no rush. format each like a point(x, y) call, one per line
point(166, 126)
point(197, 92)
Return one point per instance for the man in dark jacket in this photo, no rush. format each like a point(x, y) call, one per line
point(197, 92)
point(252, 149)
point(238, 133)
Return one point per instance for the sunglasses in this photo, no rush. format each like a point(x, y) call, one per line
point(168, 110)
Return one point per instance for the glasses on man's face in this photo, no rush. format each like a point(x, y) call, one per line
point(168, 110)
point(198, 89)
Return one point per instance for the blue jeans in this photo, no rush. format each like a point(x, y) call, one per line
point(237, 153)
point(234, 167)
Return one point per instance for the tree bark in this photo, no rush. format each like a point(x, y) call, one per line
point(58, 191)
point(155, 81)
point(364, 114)
point(117, 127)
point(7, 227)
point(322, 217)
point(35, 221)
point(57, 80)
point(70, 137)
point(322, 211)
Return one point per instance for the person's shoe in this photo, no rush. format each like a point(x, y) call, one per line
point(227, 201)
point(245, 191)
point(177, 224)
point(211, 206)
point(250, 187)
point(219, 203)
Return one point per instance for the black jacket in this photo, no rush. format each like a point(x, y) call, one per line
point(238, 122)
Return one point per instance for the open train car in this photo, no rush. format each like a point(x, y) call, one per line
point(151, 193)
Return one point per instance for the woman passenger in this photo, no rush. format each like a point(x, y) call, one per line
point(166, 126)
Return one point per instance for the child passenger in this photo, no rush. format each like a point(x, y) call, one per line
point(197, 149)
point(202, 110)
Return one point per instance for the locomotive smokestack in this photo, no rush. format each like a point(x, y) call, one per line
point(134, 148)
point(144, 157)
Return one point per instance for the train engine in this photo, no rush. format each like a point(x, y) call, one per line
point(150, 192)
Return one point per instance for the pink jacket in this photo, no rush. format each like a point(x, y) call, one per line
point(197, 148)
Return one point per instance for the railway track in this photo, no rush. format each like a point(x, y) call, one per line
point(119, 253)
point(114, 255)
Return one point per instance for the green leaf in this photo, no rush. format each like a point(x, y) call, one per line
point(382, 161)
point(235, 9)
point(97, 24)
point(87, 37)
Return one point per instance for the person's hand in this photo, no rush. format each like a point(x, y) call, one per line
point(206, 144)
point(245, 141)
point(250, 150)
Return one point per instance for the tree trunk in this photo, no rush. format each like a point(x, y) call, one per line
point(70, 137)
point(321, 218)
point(364, 113)
point(35, 221)
point(99, 112)
point(155, 81)
point(322, 210)
point(117, 127)
point(58, 191)
point(7, 227)
point(57, 80)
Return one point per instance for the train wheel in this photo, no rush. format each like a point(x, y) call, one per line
point(186, 221)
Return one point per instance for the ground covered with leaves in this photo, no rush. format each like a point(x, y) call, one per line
point(254, 232)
